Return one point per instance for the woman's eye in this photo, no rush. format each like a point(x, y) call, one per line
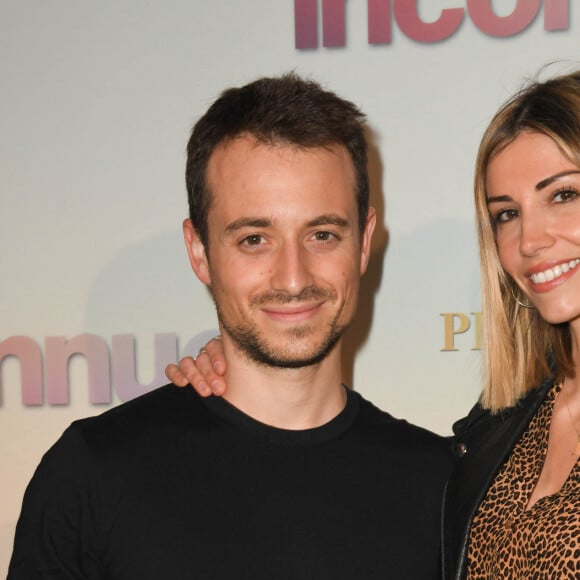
point(505, 215)
point(565, 195)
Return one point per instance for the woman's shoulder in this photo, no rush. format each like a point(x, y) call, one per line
point(480, 418)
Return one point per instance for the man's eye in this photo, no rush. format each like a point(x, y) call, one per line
point(253, 240)
point(324, 236)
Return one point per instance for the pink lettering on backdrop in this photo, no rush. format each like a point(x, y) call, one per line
point(333, 23)
point(29, 356)
point(306, 23)
point(407, 17)
point(488, 21)
point(106, 374)
point(124, 376)
point(58, 352)
point(556, 14)
point(379, 20)
point(406, 14)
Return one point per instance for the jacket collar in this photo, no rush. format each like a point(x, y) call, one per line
point(482, 444)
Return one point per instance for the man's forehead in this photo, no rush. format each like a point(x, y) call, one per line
point(280, 181)
point(265, 165)
point(250, 141)
point(246, 158)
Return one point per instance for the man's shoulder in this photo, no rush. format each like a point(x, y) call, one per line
point(397, 433)
point(165, 410)
point(154, 404)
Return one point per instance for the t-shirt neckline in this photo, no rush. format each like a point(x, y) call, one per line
point(230, 414)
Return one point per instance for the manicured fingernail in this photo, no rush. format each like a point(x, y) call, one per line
point(218, 387)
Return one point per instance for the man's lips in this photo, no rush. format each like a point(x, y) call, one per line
point(292, 312)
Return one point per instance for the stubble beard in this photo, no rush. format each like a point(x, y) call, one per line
point(249, 340)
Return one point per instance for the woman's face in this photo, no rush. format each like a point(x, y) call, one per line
point(533, 194)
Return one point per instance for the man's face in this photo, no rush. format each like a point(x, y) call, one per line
point(285, 252)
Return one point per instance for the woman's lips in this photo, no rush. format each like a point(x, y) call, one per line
point(544, 277)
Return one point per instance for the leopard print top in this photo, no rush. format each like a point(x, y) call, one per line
point(508, 541)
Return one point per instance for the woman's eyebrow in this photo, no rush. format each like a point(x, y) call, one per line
point(551, 179)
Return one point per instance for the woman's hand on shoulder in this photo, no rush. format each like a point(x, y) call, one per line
point(204, 372)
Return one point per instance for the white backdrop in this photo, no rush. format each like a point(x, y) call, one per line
point(97, 99)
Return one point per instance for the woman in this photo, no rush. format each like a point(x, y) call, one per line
point(512, 506)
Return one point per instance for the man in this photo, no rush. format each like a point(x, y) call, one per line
point(290, 475)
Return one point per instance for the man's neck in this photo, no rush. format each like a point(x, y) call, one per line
point(286, 398)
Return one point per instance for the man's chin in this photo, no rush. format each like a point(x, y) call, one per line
point(283, 357)
point(286, 363)
point(300, 348)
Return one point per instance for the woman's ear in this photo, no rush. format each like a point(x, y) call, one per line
point(196, 252)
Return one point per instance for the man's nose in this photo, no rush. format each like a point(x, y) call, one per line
point(292, 272)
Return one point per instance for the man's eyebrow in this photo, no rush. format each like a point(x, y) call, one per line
point(329, 220)
point(259, 222)
point(247, 222)
point(551, 179)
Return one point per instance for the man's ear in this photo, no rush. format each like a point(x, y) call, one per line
point(365, 249)
point(196, 252)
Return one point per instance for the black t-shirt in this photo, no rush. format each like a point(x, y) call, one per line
point(172, 486)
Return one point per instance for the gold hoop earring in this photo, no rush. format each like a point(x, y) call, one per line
point(528, 305)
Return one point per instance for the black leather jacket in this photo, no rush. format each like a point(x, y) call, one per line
point(482, 444)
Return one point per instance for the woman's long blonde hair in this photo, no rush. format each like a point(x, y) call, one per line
point(520, 348)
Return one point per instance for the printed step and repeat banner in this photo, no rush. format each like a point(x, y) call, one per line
point(98, 98)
